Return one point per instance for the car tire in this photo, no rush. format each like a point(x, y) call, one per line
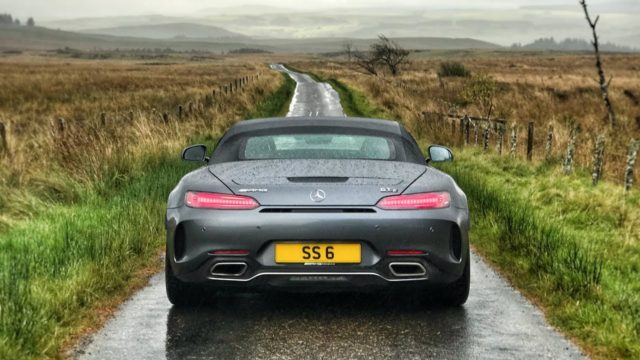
point(456, 294)
point(178, 292)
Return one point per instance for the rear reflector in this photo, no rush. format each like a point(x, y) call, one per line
point(220, 201)
point(230, 252)
point(405, 252)
point(435, 200)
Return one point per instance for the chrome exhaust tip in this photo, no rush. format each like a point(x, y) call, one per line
point(229, 269)
point(407, 269)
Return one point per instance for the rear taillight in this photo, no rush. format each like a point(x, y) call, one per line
point(220, 201)
point(435, 200)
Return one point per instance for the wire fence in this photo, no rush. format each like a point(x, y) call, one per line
point(598, 155)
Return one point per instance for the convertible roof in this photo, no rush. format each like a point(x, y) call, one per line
point(348, 122)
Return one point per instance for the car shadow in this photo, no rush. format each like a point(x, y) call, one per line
point(316, 325)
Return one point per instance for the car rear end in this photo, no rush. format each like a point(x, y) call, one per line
point(266, 219)
point(334, 246)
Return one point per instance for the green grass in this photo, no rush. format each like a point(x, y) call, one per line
point(59, 267)
point(278, 103)
point(54, 267)
point(571, 247)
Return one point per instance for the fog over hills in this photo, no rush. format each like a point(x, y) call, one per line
point(168, 31)
point(502, 25)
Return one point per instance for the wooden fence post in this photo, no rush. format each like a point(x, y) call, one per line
point(462, 131)
point(485, 138)
point(467, 124)
point(514, 141)
point(165, 118)
point(631, 162)
point(103, 119)
point(548, 145)
point(567, 165)
point(62, 126)
point(530, 141)
point(4, 143)
point(475, 133)
point(598, 160)
point(500, 139)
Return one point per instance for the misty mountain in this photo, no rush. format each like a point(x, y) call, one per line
point(168, 31)
point(545, 44)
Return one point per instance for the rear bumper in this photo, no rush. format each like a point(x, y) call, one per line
point(193, 234)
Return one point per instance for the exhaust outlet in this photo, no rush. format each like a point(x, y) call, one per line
point(407, 269)
point(228, 269)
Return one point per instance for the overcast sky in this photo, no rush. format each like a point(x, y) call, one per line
point(61, 9)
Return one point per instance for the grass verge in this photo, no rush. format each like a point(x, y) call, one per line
point(60, 267)
point(569, 246)
point(572, 248)
point(278, 103)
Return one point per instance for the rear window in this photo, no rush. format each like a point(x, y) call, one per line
point(318, 146)
point(316, 142)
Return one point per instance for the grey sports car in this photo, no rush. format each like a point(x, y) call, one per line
point(310, 203)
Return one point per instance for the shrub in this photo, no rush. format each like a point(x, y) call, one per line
point(453, 69)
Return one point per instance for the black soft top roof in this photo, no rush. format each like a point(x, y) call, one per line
point(273, 123)
point(228, 146)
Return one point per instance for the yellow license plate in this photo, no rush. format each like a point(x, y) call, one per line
point(302, 253)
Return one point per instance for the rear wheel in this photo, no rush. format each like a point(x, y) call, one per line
point(179, 292)
point(457, 293)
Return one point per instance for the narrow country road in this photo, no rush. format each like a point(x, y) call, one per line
point(311, 98)
point(496, 322)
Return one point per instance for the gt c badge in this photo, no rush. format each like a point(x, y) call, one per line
point(388, 190)
point(318, 195)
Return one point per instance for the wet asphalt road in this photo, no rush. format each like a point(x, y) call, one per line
point(496, 322)
point(311, 98)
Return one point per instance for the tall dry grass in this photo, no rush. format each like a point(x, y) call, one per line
point(113, 115)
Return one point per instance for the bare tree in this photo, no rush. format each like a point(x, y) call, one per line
point(367, 61)
point(348, 49)
point(31, 22)
point(390, 53)
point(604, 84)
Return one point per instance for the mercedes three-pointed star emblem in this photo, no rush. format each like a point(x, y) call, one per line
point(318, 195)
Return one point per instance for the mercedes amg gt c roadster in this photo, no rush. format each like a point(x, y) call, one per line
point(313, 203)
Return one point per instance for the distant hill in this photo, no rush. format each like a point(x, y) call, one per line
point(40, 38)
point(570, 45)
point(168, 31)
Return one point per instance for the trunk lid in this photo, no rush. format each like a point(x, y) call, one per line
point(296, 182)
